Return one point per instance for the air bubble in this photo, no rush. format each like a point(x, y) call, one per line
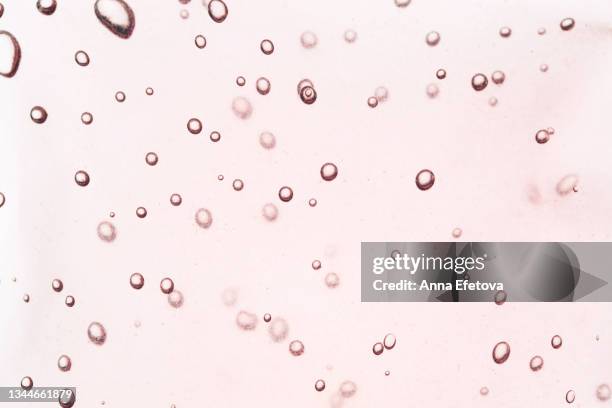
point(176, 299)
point(203, 218)
point(137, 280)
point(372, 102)
point(194, 126)
point(166, 285)
point(329, 171)
point(200, 41)
point(38, 114)
point(501, 352)
point(81, 58)
point(117, 16)
point(120, 96)
point(269, 212)
point(238, 184)
point(246, 320)
point(389, 341)
point(377, 349)
point(536, 363)
point(441, 73)
point(267, 140)
point(81, 178)
point(479, 82)
point(151, 158)
point(308, 39)
point(69, 301)
point(96, 333)
point(278, 329)
point(57, 285)
point(266, 46)
point(64, 363)
point(570, 396)
point(432, 38)
point(500, 297)
point(556, 341)
point(217, 10)
point(296, 347)
point(263, 86)
point(285, 193)
point(567, 185)
point(176, 199)
point(46, 7)
point(86, 118)
point(10, 54)
point(542, 136)
point(567, 24)
point(106, 231)
point(319, 385)
point(350, 36)
point(348, 389)
point(603, 392)
point(505, 32)
point(332, 280)
point(242, 108)
point(425, 179)
point(27, 383)
point(498, 77)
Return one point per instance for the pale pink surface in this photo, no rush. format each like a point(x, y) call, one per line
point(486, 161)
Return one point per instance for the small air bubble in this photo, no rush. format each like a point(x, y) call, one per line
point(389, 341)
point(81, 58)
point(263, 86)
point(137, 280)
point(278, 329)
point(217, 10)
point(176, 199)
point(176, 299)
point(151, 158)
point(425, 179)
point(570, 396)
point(106, 231)
point(240, 81)
point(238, 185)
point(117, 16)
point(479, 82)
point(432, 38)
point(350, 36)
point(457, 232)
point(269, 212)
point(556, 341)
point(69, 301)
point(505, 32)
point(312, 202)
point(267, 47)
point(329, 171)
point(378, 349)
point(372, 102)
point(498, 77)
point(86, 118)
point(38, 114)
point(215, 136)
point(57, 285)
point(542, 136)
point(27, 383)
point(285, 193)
point(166, 285)
point(200, 41)
point(319, 385)
point(296, 347)
point(536, 363)
point(500, 297)
point(149, 91)
point(242, 107)
point(246, 320)
point(203, 218)
point(64, 363)
point(120, 96)
point(194, 126)
point(96, 333)
point(267, 140)
point(81, 178)
point(501, 352)
point(603, 392)
point(441, 73)
point(46, 7)
point(332, 280)
point(267, 317)
point(308, 39)
point(567, 24)
point(316, 264)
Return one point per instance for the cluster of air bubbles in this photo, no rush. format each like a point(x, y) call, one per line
point(240, 81)
point(11, 53)
point(500, 297)
point(432, 90)
point(151, 158)
point(441, 73)
point(117, 16)
point(242, 107)
point(425, 179)
point(388, 343)
point(567, 24)
point(332, 280)
point(27, 383)
point(246, 320)
point(267, 317)
point(120, 96)
point(266, 46)
point(306, 91)
point(432, 38)
point(203, 218)
point(269, 212)
point(106, 231)
point(319, 385)
point(309, 39)
point(194, 126)
point(296, 348)
point(567, 185)
point(217, 10)
point(237, 185)
point(457, 232)
point(176, 299)
point(69, 301)
point(86, 118)
point(285, 193)
point(505, 32)
point(38, 114)
point(64, 363)
point(81, 177)
point(329, 171)
point(81, 58)
point(96, 333)
point(350, 36)
point(556, 341)
point(137, 280)
point(263, 85)
point(176, 199)
point(46, 7)
point(603, 392)
point(200, 41)
point(278, 329)
point(536, 363)
point(501, 352)
point(166, 285)
point(267, 140)
point(215, 136)
point(479, 82)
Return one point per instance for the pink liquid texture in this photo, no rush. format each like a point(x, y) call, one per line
point(157, 161)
